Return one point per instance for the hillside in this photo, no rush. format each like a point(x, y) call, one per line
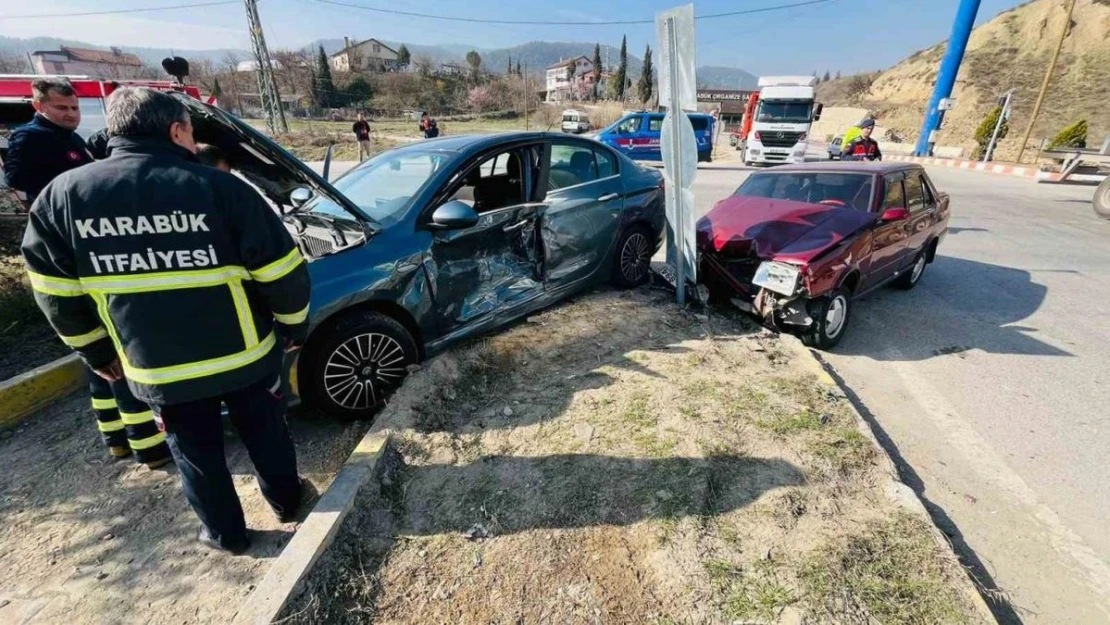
point(1010, 51)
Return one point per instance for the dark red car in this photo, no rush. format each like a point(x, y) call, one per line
point(794, 245)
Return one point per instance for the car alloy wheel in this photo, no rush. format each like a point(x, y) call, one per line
point(363, 369)
point(836, 315)
point(635, 257)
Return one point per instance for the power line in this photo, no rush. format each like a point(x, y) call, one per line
point(120, 11)
point(476, 20)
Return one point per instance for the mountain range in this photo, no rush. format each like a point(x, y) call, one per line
point(536, 55)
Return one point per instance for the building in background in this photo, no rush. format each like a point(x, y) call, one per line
point(579, 86)
point(370, 55)
point(112, 63)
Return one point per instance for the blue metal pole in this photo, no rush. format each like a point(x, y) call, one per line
point(949, 68)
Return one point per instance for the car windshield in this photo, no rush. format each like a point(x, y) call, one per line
point(785, 111)
point(383, 186)
point(833, 189)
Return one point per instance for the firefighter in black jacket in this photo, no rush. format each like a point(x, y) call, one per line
point(863, 147)
point(180, 278)
point(39, 152)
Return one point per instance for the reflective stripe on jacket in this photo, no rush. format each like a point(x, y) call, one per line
point(181, 271)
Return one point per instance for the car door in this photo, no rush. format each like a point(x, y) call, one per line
point(627, 130)
point(650, 146)
point(493, 266)
point(585, 197)
point(889, 238)
point(923, 214)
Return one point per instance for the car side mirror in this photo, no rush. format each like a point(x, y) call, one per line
point(817, 111)
point(895, 214)
point(300, 196)
point(455, 215)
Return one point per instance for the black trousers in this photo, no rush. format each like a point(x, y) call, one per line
point(195, 434)
point(124, 421)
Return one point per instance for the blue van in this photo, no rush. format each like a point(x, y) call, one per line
point(636, 135)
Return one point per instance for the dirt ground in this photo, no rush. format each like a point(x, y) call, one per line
point(26, 340)
point(87, 539)
point(614, 460)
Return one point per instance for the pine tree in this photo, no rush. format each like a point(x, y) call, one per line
point(404, 57)
point(217, 91)
point(597, 69)
point(647, 79)
point(518, 72)
point(620, 77)
point(509, 70)
point(838, 74)
point(325, 86)
point(826, 77)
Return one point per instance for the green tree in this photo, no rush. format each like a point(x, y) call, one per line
point(518, 72)
point(474, 60)
point(838, 74)
point(217, 91)
point(509, 70)
point(597, 69)
point(404, 57)
point(359, 92)
point(826, 77)
point(646, 85)
point(325, 86)
point(1074, 136)
point(986, 129)
point(620, 77)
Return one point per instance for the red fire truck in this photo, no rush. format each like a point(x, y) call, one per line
point(16, 109)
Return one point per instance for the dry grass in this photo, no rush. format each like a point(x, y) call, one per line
point(615, 460)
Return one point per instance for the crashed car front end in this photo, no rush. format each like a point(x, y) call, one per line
point(778, 260)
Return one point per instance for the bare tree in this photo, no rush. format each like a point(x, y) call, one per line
point(14, 64)
point(424, 65)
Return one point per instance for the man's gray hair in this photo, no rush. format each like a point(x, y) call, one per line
point(43, 87)
point(142, 112)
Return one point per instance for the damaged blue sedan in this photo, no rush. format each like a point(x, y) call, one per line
point(437, 241)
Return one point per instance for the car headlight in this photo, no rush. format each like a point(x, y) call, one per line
point(778, 277)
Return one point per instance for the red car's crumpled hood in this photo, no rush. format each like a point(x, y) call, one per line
point(776, 229)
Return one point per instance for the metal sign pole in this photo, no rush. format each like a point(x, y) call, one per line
point(674, 111)
point(998, 126)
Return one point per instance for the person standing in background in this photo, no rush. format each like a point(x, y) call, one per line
point(40, 151)
point(361, 128)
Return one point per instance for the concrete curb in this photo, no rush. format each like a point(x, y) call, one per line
point(995, 168)
point(315, 535)
point(901, 494)
point(27, 392)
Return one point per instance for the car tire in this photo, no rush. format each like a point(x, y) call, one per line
point(1101, 201)
point(913, 275)
point(831, 315)
point(375, 349)
point(632, 260)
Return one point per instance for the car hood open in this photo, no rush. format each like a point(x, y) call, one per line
point(777, 229)
point(259, 159)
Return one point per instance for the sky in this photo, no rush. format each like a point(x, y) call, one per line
point(838, 35)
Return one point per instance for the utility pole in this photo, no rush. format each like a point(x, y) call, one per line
point(267, 86)
point(527, 126)
point(1047, 79)
point(1002, 117)
point(946, 78)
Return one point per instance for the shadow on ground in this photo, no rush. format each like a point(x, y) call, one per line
point(959, 305)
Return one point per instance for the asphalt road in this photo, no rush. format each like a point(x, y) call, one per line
point(988, 384)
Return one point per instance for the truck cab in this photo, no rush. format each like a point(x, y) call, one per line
point(783, 117)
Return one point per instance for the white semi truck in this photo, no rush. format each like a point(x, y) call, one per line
point(781, 128)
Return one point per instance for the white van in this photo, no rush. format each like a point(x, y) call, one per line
point(575, 121)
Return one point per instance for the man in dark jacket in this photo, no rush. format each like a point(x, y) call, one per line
point(39, 152)
point(49, 144)
point(361, 128)
point(863, 147)
point(180, 278)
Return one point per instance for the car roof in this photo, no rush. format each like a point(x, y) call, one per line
point(852, 167)
point(467, 143)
